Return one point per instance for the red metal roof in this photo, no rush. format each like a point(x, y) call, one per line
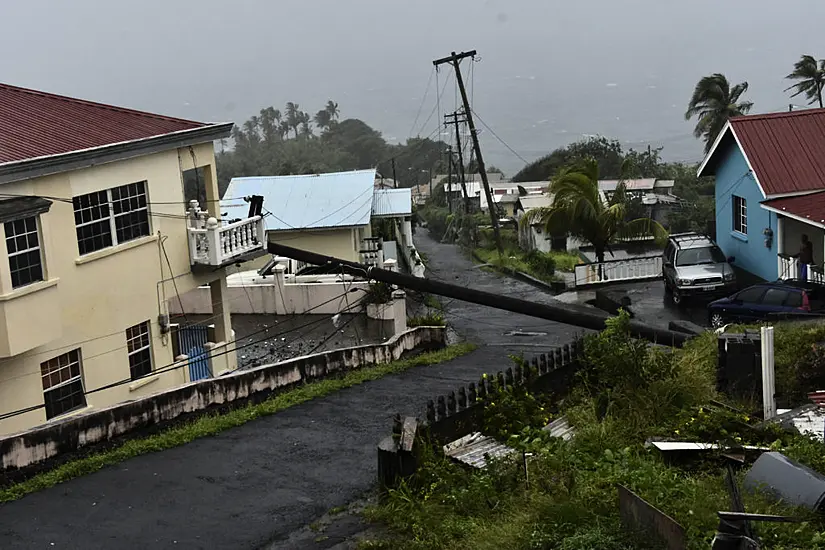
point(786, 150)
point(810, 206)
point(37, 124)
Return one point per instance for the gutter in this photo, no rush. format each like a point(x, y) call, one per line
point(85, 158)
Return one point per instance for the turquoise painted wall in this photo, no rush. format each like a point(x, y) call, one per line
point(733, 178)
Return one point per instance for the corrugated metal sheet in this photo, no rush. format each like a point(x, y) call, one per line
point(474, 449)
point(528, 202)
point(304, 202)
point(392, 202)
point(560, 428)
point(786, 150)
point(37, 124)
point(811, 206)
point(646, 184)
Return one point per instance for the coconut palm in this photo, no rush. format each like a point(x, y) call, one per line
point(714, 102)
point(332, 110)
point(811, 77)
point(322, 119)
point(581, 210)
point(293, 116)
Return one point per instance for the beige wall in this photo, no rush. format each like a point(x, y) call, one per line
point(343, 243)
point(101, 294)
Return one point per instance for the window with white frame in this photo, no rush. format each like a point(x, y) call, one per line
point(111, 217)
point(63, 384)
point(740, 215)
point(139, 344)
point(23, 248)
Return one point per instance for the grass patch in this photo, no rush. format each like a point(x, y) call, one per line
point(214, 424)
point(432, 319)
point(535, 264)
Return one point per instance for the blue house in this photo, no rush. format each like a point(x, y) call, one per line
point(770, 191)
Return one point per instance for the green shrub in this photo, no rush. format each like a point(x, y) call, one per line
point(432, 319)
point(540, 262)
point(378, 293)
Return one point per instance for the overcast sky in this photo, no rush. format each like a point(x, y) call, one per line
point(550, 71)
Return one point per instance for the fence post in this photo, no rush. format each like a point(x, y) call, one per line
point(768, 373)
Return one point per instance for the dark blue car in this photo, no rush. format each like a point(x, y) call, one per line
point(765, 301)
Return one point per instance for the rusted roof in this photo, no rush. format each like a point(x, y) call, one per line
point(38, 124)
point(785, 150)
point(810, 207)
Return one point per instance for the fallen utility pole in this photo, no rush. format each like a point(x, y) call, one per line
point(454, 60)
point(568, 314)
point(449, 178)
point(455, 123)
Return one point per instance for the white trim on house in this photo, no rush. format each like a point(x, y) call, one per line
point(712, 151)
point(793, 194)
point(793, 216)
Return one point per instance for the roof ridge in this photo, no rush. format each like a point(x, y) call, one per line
point(785, 114)
point(68, 99)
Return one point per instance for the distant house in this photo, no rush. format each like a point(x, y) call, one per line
point(534, 237)
point(770, 190)
point(327, 214)
point(500, 188)
point(323, 213)
point(655, 194)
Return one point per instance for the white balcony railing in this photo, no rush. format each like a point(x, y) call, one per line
point(648, 267)
point(216, 245)
point(791, 268)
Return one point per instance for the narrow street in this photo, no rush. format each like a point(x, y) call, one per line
point(262, 483)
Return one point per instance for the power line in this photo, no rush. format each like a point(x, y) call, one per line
point(423, 100)
point(499, 139)
point(175, 365)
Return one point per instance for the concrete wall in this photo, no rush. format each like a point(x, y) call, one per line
point(96, 297)
point(276, 298)
point(70, 434)
point(343, 243)
point(733, 179)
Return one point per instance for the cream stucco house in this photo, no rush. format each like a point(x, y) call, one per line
point(98, 237)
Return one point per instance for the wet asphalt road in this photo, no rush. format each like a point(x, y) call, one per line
point(259, 484)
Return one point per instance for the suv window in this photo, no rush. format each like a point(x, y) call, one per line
point(794, 299)
point(751, 295)
point(697, 256)
point(775, 297)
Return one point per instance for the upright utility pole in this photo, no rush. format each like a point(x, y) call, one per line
point(394, 178)
point(461, 175)
point(454, 60)
point(449, 178)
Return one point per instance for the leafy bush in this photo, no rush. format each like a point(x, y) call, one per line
point(378, 293)
point(430, 320)
point(541, 262)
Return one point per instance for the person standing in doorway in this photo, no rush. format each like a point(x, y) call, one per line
point(806, 257)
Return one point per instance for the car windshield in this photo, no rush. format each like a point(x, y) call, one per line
point(698, 256)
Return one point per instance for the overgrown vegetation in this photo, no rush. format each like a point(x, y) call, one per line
point(431, 319)
point(214, 424)
point(627, 392)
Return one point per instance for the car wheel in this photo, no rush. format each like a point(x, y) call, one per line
point(677, 298)
point(668, 290)
point(716, 320)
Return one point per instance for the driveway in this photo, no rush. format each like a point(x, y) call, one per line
point(260, 483)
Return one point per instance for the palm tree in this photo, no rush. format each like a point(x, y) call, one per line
point(304, 119)
point(293, 117)
point(713, 103)
point(322, 119)
point(811, 76)
point(332, 110)
point(581, 210)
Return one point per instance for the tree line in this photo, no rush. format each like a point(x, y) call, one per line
point(291, 141)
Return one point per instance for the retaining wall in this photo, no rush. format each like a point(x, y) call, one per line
point(69, 435)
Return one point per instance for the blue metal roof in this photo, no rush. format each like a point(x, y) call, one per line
point(308, 201)
point(392, 202)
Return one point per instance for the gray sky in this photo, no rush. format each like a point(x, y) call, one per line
point(550, 71)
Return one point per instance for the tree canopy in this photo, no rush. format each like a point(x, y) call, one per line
point(280, 142)
point(713, 103)
point(810, 75)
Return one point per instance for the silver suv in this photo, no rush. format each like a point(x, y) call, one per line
point(695, 266)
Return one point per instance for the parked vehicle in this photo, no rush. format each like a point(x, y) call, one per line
point(694, 266)
point(768, 300)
